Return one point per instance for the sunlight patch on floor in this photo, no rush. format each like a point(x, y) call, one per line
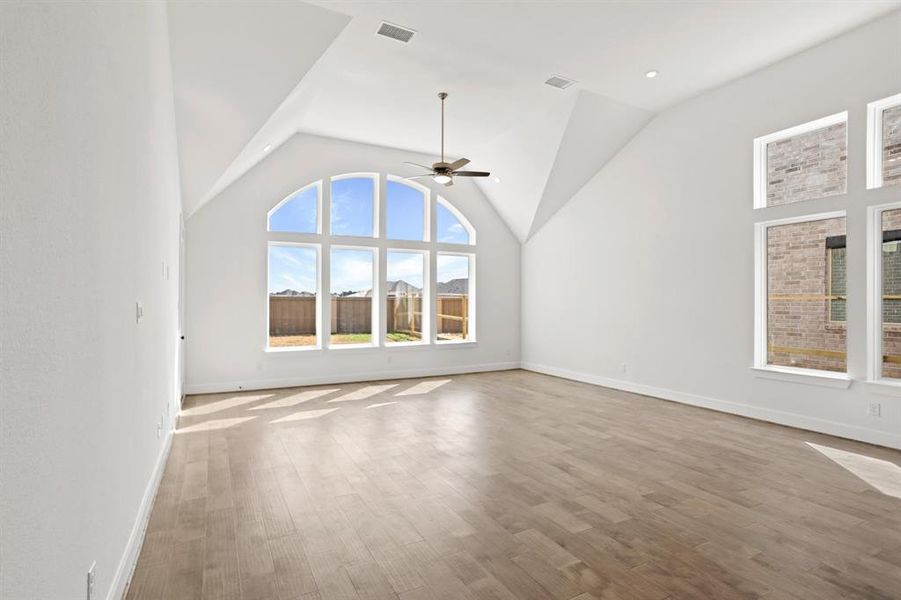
point(883, 475)
point(305, 415)
point(210, 408)
point(378, 404)
point(423, 387)
point(364, 392)
point(295, 399)
point(214, 425)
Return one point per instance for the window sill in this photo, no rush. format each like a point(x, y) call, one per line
point(289, 349)
point(808, 376)
point(884, 387)
point(352, 346)
point(455, 344)
point(393, 345)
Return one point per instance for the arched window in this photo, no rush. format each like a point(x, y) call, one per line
point(367, 259)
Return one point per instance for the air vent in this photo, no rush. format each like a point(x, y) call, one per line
point(395, 32)
point(559, 81)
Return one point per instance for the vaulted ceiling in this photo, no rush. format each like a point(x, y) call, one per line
point(249, 75)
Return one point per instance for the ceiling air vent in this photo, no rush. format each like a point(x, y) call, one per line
point(559, 81)
point(395, 32)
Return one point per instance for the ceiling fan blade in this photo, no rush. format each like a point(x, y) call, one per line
point(419, 176)
point(459, 163)
point(418, 165)
point(472, 173)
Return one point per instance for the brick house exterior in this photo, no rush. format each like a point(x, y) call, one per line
point(807, 166)
point(806, 262)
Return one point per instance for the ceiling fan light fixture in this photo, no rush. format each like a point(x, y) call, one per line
point(442, 178)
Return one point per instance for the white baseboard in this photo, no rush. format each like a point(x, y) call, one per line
point(133, 548)
point(267, 384)
point(862, 434)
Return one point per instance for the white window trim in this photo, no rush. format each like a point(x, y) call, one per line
point(324, 241)
point(874, 138)
point(806, 376)
point(318, 249)
point(761, 143)
point(874, 296)
point(760, 305)
point(471, 302)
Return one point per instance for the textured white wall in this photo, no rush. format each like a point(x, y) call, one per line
point(227, 280)
point(90, 210)
point(651, 263)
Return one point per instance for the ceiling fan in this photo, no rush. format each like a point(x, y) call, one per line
point(444, 172)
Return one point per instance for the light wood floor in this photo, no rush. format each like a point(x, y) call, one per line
point(511, 485)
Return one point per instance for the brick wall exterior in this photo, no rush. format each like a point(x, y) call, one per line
point(891, 285)
point(797, 309)
point(801, 273)
point(807, 166)
point(891, 146)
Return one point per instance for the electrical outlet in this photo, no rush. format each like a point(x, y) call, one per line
point(159, 428)
point(623, 366)
point(875, 409)
point(139, 312)
point(90, 582)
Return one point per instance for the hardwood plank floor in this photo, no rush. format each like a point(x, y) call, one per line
point(511, 485)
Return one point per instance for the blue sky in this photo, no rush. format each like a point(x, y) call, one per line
point(405, 219)
point(452, 267)
point(351, 270)
point(298, 214)
point(449, 228)
point(405, 266)
point(352, 206)
point(293, 267)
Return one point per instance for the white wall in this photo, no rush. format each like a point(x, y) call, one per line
point(227, 280)
point(90, 207)
point(651, 263)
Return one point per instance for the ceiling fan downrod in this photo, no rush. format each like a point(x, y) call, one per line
point(442, 95)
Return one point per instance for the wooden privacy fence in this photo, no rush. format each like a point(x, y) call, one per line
point(453, 314)
point(351, 314)
point(296, 315)
point(292, 315)
point(405, 314)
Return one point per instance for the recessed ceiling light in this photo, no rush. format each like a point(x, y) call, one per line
point(652, 74)
point(267, 147)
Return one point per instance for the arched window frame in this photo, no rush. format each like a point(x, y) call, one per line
point(324, 241)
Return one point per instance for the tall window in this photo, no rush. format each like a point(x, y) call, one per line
point(352, 280)
point(884, 142)
point(885, 274)
point(453, 295)
point(804, 291)
point(406, 296)
point(386, 262)
point(293, 286)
